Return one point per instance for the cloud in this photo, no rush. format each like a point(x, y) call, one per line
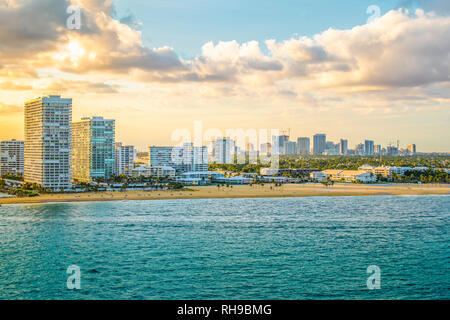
point(399, 50)
point(7, 109)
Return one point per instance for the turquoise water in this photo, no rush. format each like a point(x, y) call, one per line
point(302, 248)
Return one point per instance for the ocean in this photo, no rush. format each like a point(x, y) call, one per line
point(280, 248)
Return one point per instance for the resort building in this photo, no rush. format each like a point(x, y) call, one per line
point(48, 142)
point(11, 157)
point(94, 150)
point(124, 159)
point(162, 172)
point(183, 159)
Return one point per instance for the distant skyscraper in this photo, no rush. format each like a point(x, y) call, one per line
point(278, 144)
point(412, 149)
point(93, 149)
point(48, 142)
point(290, 148)
point(183, 159)
point(320, 143)
point(124, 159)
point(343, 147)
point(11, 157)
point(224, 151)
point(303, 146)
point(369, 148)
point(266, 148)
point(377, 149)
point(359, 149)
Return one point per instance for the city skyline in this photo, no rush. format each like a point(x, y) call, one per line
point(323, 75)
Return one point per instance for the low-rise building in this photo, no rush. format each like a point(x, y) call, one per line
point(350, 176)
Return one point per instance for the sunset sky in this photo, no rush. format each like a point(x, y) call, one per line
point(309, 65)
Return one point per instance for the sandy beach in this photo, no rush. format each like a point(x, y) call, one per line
point(267, 191)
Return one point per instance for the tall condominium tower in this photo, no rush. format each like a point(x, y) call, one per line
point(11, 157)
point(303, 146)
point(412, 149)
point(182, 159)
point(320, 143)
point(93, 149)
point(124, 159)
point(290, 148)
point(48, 142)
point(343, 147)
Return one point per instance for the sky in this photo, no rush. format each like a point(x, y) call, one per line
point(157, 66)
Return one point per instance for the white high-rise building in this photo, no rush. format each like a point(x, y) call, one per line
point(11, 157)
point(48, 142)
point(183, 159)
point(124, 159)
point(224, 151)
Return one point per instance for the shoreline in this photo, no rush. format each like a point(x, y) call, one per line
point(241, 192)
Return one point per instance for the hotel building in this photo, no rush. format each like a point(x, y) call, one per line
point(11, 157)
point(94, 150)
point(48, 142)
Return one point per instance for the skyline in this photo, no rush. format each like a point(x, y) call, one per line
point(385, 81)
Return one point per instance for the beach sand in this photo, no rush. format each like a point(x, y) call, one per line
point(256, 191)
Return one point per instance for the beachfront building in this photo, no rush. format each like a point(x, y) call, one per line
point(94, 152)
point(183, 159)
point(162, 172)
point(124, 159)
point(350, 176)
point(303, 146)
point(48, 142)
point(320, 143)
point(11, 157)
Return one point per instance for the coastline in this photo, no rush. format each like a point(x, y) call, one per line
point(245, 191)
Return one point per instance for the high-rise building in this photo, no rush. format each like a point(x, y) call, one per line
point(124, 159)
point(369, 148)
point(11, 157)
point(359, 149)
point(412, 149)
point(93, 149)
point(377, 149)
point(48, 142)
point(183, 159)
point(266, 148)
point(303, 146)
point(320, 143)
point(290, 148)
point(224, 151)
point(343, 147)
point(278, 143)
